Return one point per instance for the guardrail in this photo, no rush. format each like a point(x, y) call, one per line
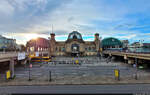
point(129, 54)
point(123, 51)
point(13, 54)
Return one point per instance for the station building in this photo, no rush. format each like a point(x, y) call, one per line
point(111, 43)
point(39, 44)
point(74, 45)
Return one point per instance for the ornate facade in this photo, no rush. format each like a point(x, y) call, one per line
point(74, 46)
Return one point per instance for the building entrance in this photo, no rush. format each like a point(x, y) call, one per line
point(75, 50)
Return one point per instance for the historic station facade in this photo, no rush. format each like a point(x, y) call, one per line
point(74, 46)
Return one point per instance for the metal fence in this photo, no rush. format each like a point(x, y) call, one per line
point(58, 72)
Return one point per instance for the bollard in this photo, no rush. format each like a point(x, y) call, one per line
point(136, 76)
point(117, 74)
point(50, 77)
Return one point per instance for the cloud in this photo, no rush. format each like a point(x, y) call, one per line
point(122, 19)
point(6, 10)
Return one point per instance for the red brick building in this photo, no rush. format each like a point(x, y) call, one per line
point(39, 44)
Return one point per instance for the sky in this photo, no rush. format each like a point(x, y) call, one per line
point(123, 19)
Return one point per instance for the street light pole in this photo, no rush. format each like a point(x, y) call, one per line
point(29, 67)
point(29, 71)
point(136, 68)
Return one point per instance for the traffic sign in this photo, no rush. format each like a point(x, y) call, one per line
point(30, 65)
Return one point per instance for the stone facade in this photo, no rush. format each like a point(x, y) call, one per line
point(74, 46)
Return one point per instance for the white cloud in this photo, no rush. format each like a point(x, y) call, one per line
point(73, 15)
point(5, 9)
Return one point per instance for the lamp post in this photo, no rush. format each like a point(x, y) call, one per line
point(30, 66)
point(136, 69)
point(141, 42)
point(30, 70)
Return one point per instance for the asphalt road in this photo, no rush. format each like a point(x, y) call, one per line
point(141, 89)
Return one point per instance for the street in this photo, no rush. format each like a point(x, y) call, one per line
point(138, 89)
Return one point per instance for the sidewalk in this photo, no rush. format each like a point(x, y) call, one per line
point(75, 80)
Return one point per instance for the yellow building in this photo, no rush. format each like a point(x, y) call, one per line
point(74, 46)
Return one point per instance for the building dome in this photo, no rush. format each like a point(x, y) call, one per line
point(74, 35)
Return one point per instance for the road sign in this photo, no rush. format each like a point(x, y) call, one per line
point(30, 65)
point(8, 74)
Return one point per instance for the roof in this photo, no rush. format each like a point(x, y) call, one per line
point(75, 35)
point(110, 41)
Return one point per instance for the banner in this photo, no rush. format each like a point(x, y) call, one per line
point(21, 56)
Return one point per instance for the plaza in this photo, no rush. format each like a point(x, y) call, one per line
point(89, 70)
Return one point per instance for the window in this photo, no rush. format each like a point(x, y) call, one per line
point(85, 49)
point(59, 48)
point(63, 48)
point(93, 48)
point(56, 48)
point(89, 48)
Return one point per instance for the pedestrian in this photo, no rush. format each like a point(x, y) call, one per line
point(134, 65)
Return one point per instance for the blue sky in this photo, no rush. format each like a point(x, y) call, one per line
point(123, 19)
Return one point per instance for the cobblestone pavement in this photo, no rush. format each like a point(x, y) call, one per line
point(90, 70)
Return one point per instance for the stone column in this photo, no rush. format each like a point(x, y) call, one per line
point(11, 67)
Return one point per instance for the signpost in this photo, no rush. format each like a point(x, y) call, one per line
point(30, 65)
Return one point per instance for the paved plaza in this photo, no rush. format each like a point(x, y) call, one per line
point(89, 70)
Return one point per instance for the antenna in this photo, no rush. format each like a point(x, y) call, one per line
point(75, 27)
point(52, 28)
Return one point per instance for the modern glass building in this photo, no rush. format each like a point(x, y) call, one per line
point(7, 44)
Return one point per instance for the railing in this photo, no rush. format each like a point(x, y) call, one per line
point(8, 55)
point(124, 51)
point(13, 54)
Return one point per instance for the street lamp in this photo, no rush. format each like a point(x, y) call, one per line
point(30, 66)
point(141, 42)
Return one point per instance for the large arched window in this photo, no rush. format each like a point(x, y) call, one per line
point(74, 35)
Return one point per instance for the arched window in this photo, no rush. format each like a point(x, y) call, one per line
point(74, 35)
point(56, 48)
